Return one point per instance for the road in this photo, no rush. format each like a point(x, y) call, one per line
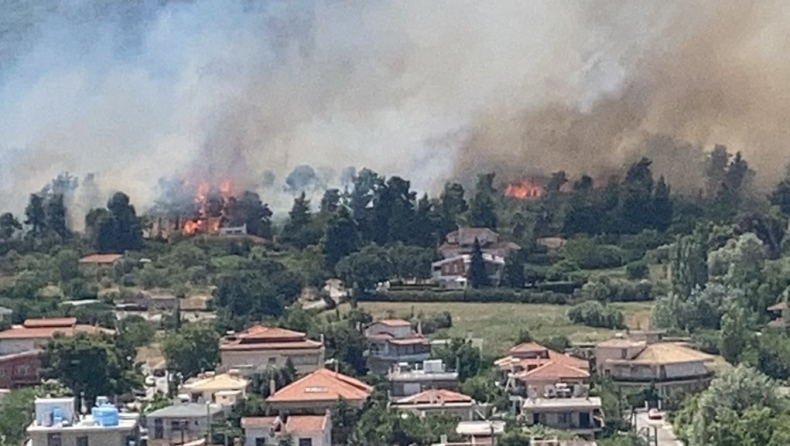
point(662, 429)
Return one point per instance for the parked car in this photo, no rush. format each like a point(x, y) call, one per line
point(654, 414)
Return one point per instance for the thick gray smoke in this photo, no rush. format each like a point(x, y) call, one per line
point(138, 90)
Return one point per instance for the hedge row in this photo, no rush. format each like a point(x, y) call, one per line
point(471, 295)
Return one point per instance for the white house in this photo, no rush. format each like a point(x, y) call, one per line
point(57, 424)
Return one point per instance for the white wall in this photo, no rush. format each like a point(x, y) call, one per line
point(398, 332)
point(95, 438)
point(304, 361)
point(10, 346)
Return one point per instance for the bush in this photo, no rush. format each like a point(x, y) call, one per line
point(594, 314)
point(637, 270)
point(587, 254)
point(604, 289)
point(435, 322)
point(557, 343)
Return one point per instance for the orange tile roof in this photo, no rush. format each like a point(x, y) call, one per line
point(323, 385)
point(270, 333)
point(436, 396)
point(53, 322)
point(305, 423)
point(306, 344)
point(100, 259)
point(511, 361)
point(527, 347)
point(259, 337)
point(22, 332)
point(557, 370)
point(259, 422)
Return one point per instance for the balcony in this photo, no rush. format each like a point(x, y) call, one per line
point(397, 357)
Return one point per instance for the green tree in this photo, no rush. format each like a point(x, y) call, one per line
point(137, 331)
point(56, 216)
point(248, 209)
point(192, 349)
point(297, 231)
point(366, 268)
point(90, 365)
point(482, 211)
point(513, 273)
point(16, 414)
point(118, 229)
point(36, 217)
point(662, 207)
point(341, 238)
point(477, 274)
point(689, 262)
point(780, 196)
point(452, 205)
point(9, 226)
point(460, 355)
point(330, 201)
point(67, 266)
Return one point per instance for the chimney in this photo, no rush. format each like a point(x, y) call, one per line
point(322, 339)
point(272, 387)
point(419, 327)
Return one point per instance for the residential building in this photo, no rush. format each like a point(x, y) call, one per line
point(581, 415)
point(20, 369)
point(262, 347)
point(480, 432)
point(224, 389)
point(57, 424)
point(461, 242)
point(181, 422)
point(34, 333)
point(451, 272)
point(407, 380)
point(392, 341)
point(304, 430)
point(318, 392)
point(533, 365)
point(100, 259)
point(440, 402)
point(645, 360)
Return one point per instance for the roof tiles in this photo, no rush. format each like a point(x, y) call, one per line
point(323, 385)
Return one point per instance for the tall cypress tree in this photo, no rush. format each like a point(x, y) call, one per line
point(476, 274)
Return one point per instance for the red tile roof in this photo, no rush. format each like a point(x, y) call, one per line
point(436, 396)
point(305, 423)
point(101, 259)
point(557, 370)
point(562, 363)
point(323, 385)
point(259, 422)
point(46, 328)
point(260, 337)
point(527, 347)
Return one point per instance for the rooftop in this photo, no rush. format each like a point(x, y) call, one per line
point(305, 423)
point(780, 306)
point(435, 397)
point(126, 422)
point(186, 410)
point(557, 370)
point(46, 328)
point(259, 422)
point(215, 383)
point(260, 337)
point(393, 323)
point(562, 403)
point(323, 384)
point(669, 353)
point(100, 259)
point(480, 428)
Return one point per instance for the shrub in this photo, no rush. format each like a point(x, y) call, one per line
point(557, 343)
point(605, 289)
point(637, 270)
point(594, 314)
point(470, 295)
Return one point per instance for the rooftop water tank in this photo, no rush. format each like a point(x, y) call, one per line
point(104, 413)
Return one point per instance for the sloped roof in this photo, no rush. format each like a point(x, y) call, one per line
point(259, 422)
point(527, 347)
point(305, 423)
point(220, 382)
point(260, 337)
point(185, 410)
point(99, 259)
point(323, 385)
point(779, 306)
point(436, 396)
point(669, 353)
point(557, 370)
point(46, 328)
point(51, 322)
point(393, 322)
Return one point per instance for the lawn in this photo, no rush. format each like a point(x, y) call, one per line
point(499, 323)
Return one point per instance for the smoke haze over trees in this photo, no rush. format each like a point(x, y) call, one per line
point(138, 90)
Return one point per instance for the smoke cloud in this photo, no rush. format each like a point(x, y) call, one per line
point(140, 90)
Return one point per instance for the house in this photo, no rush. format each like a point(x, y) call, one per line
point(439, 402)
point(461, 242)
point(57, 424)
point(20, 369)
point(260, 347)
point(776, 313)
point(225, 389)
point(451, 272)
point(181, 422)
point(480, 432)
point(318, 392)
point(34, 333)
point(304, 430)
point(392, 341)
point(100, 259)
point(645, 360)
point(531, 364)
point(407, 380)
point(559, 409)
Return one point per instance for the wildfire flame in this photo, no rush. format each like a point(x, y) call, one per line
point(203, 222)
point(523, 190)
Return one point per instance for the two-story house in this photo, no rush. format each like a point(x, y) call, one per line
point(262, 347)
point(182, 422)
point(225, 389)
point(407, 380)
point(562, 409)
point(533, 365)
point(57, 424)
point(303, 430)
point(318, 392)
point(440, 402)
point(644, 360)
point(393, 341)
point(461, 242)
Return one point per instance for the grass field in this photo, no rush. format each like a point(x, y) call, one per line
point(499, 323)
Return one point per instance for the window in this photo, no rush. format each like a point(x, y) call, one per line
point(159, 431)
point(273, 361)
point(305, 442)
point(82, 441)
point(54, 440)
point(175, 426)
point(260, 442)
point(563, 418)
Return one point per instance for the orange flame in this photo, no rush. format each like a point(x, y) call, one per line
point(523, 190)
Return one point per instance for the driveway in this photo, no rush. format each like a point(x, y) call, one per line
point(660, 428)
